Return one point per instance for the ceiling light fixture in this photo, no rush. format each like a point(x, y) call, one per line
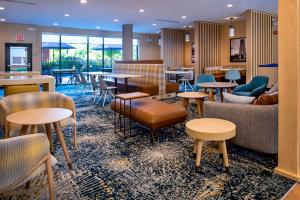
point(98, 27)
point(2, 20)
point(154, 24)
point(83, 1)
point(67, 15)
point(2, 8)
point(55, 24)
point(187, 37)
point(229, 5)
point(116, 20)
point(141, 10)
point(231, 28)
point(183, 17)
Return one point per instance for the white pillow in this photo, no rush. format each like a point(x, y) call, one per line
point(231, 98)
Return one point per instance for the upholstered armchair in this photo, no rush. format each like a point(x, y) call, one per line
point(22, 159)
point(19, 102)
point(203, 78)
point(256, 87)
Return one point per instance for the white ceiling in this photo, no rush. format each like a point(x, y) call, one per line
point(103, 12)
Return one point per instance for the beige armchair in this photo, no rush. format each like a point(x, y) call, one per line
point(22, 159)
point(19, 102)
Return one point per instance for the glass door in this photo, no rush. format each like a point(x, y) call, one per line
point(18, 57)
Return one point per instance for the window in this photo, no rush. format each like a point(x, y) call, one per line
point(83, 53)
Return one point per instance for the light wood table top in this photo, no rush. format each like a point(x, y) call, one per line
point(217, 85)
point(19, 73)
point(124, 75)
point(192, 95)
point(227, 69)
point(39, 116)
point(63, 70)
point(176, 72)
point(133, 95)
point(97, 73)
point(210, 129)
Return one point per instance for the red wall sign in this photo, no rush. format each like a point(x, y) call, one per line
point(20, 37)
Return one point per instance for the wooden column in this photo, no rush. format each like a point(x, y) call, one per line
point(127, 37)
point(289, 89)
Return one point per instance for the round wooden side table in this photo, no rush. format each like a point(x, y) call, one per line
point(210, 129)
point(198, 96)
point(43, 116)
point(217, 85)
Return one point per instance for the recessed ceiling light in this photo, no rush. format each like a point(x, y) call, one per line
point(2, 8)
point(67, 15)
point(55, 24)
point(98, 27)
point(2, 20)
point(141, 10)
point(153, 24)
point(83, 1)
point(183, 17)
point(116, 20)
point(229, 5)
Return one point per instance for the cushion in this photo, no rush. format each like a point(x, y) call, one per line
point(267, 99)
point(246, 94)
point(231, 98)
point(273, 89)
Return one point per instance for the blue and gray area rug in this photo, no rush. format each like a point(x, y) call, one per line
point(107, 167)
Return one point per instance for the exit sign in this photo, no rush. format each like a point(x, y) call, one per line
point(20, 37)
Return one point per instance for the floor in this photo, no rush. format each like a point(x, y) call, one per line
point(294, 193)
point(107, 167)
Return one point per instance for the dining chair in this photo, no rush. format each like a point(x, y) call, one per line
point(233, 75)
point(186, 78)
point(22, 159)
point(96, 87)
point(84, 83)
point(106, 90)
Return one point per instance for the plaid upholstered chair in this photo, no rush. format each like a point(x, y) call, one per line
point(19, 102)
point(22, 159)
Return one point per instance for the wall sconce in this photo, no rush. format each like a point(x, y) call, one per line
point(187, 37)
point(231, 28)
point(159, 41)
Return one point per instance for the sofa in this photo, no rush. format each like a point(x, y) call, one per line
point(257, 125)
point(152, 82)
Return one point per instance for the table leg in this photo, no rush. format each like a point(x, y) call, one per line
point(33, 129)
point(116, 85)
point(221, 93)
point(126, 85)
point(198, 156)
point(62, 142)
point(211, 94)
point(225, 156)
point(24, 129)
point(185, 102)
point(49, 87)
point(49, 135)
point(200, 106)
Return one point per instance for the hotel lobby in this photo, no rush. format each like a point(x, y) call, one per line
point(147, 100)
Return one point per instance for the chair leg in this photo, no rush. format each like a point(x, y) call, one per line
point(190, 86)
point(50, 178)
point(104, 99)
point(74, 135)
point(27, 185)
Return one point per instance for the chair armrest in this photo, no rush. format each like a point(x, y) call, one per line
point(19, 155)
point(258, 91)
point(242, 88)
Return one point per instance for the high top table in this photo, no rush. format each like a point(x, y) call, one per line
point(125, 77)
point(46, 117)
point(45, 80)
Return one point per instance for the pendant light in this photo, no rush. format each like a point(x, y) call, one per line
point(231, 28)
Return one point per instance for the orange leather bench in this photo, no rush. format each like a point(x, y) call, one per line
point(153, 114)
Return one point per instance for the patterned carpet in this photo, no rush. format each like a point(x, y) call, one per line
point(107, 167)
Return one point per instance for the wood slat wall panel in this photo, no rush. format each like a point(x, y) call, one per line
point(172, 47)
point(260, 41)
point(207, 45)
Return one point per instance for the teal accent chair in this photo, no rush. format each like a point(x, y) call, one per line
point(256, 87)
point(203, 78)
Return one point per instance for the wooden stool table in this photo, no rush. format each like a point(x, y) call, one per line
point(210, 129)
point(199, 96)
point(43, 116)
point(217, 85)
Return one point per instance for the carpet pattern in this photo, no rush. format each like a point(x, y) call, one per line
point(107, 167)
